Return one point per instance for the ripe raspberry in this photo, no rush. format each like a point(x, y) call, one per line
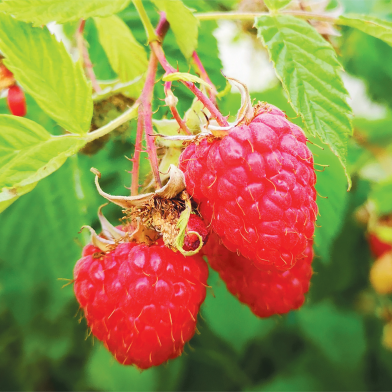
point(191, 240)
point(267, 291)
point(16, 101)
point(377, 246)
point(256, 188)
point(141, 301)
point(381, 274)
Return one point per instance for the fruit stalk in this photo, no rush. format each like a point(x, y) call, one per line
point(174, 110)
point(203, 74)
point(85, 58)
point(215, 113)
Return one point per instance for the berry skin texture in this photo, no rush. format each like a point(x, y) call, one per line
point(141, 301)
point(191, 240)
point(381, 274)
point(267, 291)
point(16, 101)
point(256, 188)
point(377, 246)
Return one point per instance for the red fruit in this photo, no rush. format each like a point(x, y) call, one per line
point(266, 291)
point(16, 101)
point(141, 301)
point(256, 188)
point(191, 240)
point(377, 246)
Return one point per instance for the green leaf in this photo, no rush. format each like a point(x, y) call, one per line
point(375, 27)
point(276, 4)
point(46, 250)
point(339, 334)
point(332, 200)
point(183, 23)
point(29, 153)
point(187, 77)
point(382, 196)
point(45, 69)
point(104, 373)
point(40, 12)
point(308, 68)
point(126, 56)
point(226, 316)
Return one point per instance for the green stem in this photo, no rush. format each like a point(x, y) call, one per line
point(126, 116)
point(252, 15)
point(150, 31)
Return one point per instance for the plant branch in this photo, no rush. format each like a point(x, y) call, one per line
point(252, 15)
point(157, 49)
point(203, 74)
point(145, 111)
point(123, 118)
point(84, 56)
point(151, 34)
point(145, 117)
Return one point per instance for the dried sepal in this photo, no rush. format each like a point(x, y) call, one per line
point(110, 231)
point(173, 187)
point(102, 243)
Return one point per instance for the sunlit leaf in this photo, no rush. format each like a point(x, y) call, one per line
point(308, 68)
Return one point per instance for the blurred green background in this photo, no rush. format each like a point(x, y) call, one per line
point(333, 343)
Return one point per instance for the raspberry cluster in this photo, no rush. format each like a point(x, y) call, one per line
point(141, 301)
point(254, 187)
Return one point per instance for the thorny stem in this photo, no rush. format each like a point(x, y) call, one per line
point(145, 113)
point(145, 116)
point(174, 110)
point(123, 118)
point(84, 56)
point(252, 15)
point(157, 49)
point(203, 74)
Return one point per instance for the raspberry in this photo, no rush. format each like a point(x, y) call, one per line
point(381, 274)
point(191, 240)
point(141, 301)
point(267, 291)
point(16, 101)
point(377, 246)
point(256, 188)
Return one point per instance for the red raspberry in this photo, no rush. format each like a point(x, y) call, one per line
point(256, 188)
point(16, 101)
point(191, 240)
point(141, 301)
point(267, 291)
point(377, 246)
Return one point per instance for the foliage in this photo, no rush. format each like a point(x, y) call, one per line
point(334, 341)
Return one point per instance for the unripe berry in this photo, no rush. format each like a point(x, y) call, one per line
point(381, 274)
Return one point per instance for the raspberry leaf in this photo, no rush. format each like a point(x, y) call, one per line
point(46, 71)
point(375, 27)
point(187, 77)
point(126, 55)
point(40, 12)
point(183, 23)
point(276, 4)
point(309, 70)
point(29, 153)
